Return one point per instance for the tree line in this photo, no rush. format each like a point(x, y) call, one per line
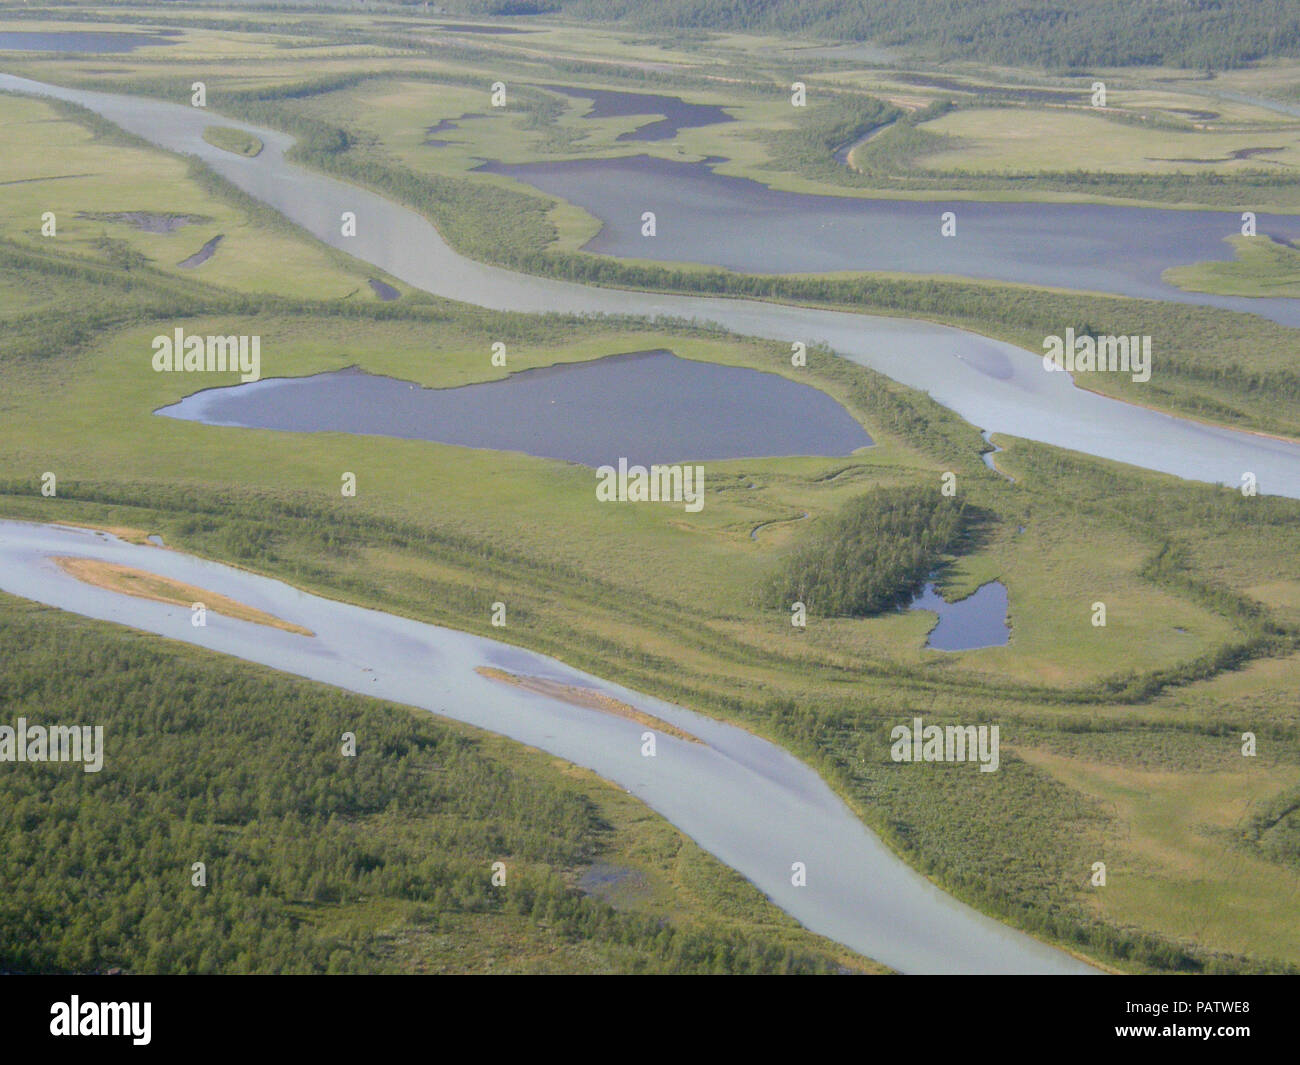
point(1206, 34)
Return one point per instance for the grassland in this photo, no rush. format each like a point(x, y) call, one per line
point(147, 204)
point(1263, 267)
point(1125, 739)
point(1024, 140)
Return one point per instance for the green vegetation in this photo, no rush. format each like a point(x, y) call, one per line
point(1263, 267)
point(1120, 743)
point(1045, 33)
point(1275, 830)
point(234, 140)
point(809, 147)
point(873, 555)
point(315, 862)
point(1139, 135)
point(104, 186)
point(585, 582)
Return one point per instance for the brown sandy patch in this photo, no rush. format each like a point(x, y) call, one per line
point(123, 532)
point(592, 700)
point(128, 581)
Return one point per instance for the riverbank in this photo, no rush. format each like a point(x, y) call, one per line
point(754, 806)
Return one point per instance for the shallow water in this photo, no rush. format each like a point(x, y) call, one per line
point(78, 41)
point(678, 114)
point(979, 620)
point(201, 256)
point(643, 406)
point(753, 805)
point(990, 457)
point(446, 125)
point(148, 221)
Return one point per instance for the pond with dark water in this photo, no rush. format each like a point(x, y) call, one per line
point(646, 407)
point(979, 620)
point(677, 113)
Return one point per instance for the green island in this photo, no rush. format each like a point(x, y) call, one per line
point(238, 141)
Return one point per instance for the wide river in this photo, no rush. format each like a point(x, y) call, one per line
point(747, 801)
point(993, 385)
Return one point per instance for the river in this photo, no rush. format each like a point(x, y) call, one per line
point(993, 385)
point(750, 803)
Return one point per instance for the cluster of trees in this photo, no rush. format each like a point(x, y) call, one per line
point(872, 555)
point(311, 858)
point(811, 145)
point(1275, 829)
point(1051, 33)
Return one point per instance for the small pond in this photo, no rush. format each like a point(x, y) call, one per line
point(979, 620)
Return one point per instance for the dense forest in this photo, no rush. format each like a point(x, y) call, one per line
point(1051, 33)
point(872, 555)
point(314, 862)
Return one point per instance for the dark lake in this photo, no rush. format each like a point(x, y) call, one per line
point(706, 217)
point(646, 406)
point(76, 41)
point(678, 114)
point(979, 620)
